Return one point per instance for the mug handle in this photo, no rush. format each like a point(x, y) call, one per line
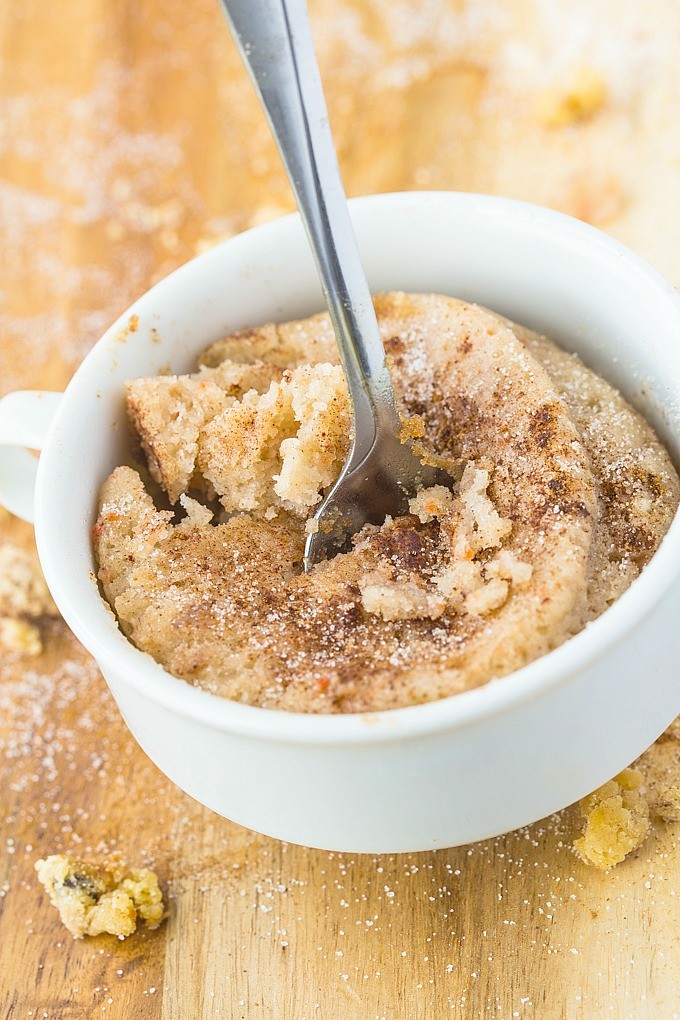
point(25, 418)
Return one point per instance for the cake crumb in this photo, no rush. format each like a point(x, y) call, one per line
point(458, 579)
point(24, 599)
point(93, 899)
point(197, 515)
point(23, 591)
point(584, 94)
point(20, 636)
point(412, 427)
point(399, 600)
point(660, 765)
point(488, 597)
point(482, 527)
point(667, 804)
point(507, 566)
point(617, 821)
point(431, 504)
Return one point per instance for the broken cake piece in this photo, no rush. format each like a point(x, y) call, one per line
point(168, 412)
point(282, 447)
point(93, 899)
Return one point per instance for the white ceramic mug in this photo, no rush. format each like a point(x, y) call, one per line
point(435, 775)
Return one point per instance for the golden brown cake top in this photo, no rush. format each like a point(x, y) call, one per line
point(563, 496)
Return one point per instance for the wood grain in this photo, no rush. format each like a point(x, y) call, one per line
point(129, 141)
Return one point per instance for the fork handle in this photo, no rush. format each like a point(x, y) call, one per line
point(275, 41)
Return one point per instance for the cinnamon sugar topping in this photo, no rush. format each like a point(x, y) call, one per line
point(564, 495)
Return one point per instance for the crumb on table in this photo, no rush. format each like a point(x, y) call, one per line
point(578, 99)
point(93, 898)
point(667, 804)
point(660, 765)
point(617, 820)
point(24, 599)
point(20, 636)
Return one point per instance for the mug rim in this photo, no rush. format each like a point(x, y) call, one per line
point(115, 654)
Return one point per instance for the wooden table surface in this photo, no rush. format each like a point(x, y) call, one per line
point(129, 141)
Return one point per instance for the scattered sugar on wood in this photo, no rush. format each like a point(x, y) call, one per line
point(116, 175)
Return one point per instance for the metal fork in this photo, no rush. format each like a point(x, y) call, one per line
point(381, 472)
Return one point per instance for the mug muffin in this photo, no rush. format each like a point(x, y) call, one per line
point(563, 493)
